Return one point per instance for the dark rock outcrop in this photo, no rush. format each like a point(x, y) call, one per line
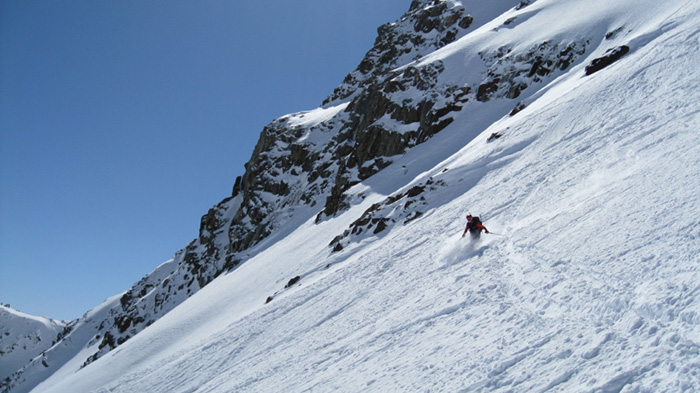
point(293, 281)
point(401, 208)
point(510, 73)
point(610, 57)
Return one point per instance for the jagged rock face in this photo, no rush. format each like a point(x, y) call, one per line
point(400, 208)
point(356, 145)
point(511, 73)
point(428, 25)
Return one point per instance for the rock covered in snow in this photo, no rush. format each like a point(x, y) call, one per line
point(24, 337)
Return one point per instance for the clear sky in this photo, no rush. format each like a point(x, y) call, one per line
point(123, 122)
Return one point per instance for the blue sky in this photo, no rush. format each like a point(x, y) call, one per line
point(122, 122)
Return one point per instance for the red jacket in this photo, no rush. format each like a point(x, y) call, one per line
point(478, 225)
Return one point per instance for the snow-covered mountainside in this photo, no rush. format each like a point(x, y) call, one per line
point(337, 264)
point(23, 337)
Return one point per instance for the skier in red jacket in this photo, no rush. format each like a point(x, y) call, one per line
point(474, 226)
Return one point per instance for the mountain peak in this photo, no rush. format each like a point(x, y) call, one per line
point(427, 25)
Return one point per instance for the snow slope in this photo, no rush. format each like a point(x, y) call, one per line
point(23, 337)
point(590, 281)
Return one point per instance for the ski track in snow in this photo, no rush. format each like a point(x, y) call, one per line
point(593, 286)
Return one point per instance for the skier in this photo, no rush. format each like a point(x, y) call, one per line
point(474, 226)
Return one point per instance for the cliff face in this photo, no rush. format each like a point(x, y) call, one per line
point(304, 163)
